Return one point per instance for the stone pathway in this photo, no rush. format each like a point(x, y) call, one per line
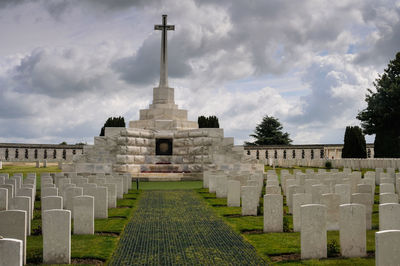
point(177, 228)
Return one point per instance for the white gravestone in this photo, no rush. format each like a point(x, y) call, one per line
point(49, 191)
point(389, 216)
point(317, 191)
point(233, 193)
point(367, 200)
point(52, 203)
point(56, 237)
point(291, 191)
point(11, 252)
point(206, 176)
point(10, 193)
point(3, 199)
point(352, 230)
point(332, 202)
point(70, 193)
point(13, 225)
point(273, 213)
point(250, 200)
point(313, 231)
point(18, 180)
point(120, 186)
point(100, 201)
point(83, 215)
point(386, 188)
point(388, 198)
point(63, 193)
point(222, 186)
point(344, 192)
point(112, 195)
point(23, 204)
point(387, 245)
point(28, 192)
point(299, 200)
point(272, 190)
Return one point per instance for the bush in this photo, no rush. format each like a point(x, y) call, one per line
point(333, 248)
point(286, 224)
point(328, 165)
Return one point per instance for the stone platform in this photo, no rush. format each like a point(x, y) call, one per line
point(168, 176)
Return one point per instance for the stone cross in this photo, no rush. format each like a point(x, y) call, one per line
point(164, 64)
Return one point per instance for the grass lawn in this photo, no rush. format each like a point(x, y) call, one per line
point(173, 185)
point(284, 248)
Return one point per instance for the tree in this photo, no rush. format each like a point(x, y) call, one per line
point(269, 132)
point(354, 143)
point(63, 143)
point(382, 115)
point(208, 122)
point(113, 122)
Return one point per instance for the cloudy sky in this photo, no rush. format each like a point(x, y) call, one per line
point(68, 65)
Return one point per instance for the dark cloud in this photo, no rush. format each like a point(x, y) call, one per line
point(144, 66)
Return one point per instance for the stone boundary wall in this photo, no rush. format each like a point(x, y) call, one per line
point(307, 152)
point(21, 152)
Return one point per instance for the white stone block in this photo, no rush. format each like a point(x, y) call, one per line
point(386, 188)
point(387, 245)
point(10, 193)
point(332, 202)
point(273, 213)
point(49, 191)
point(222, 186)
point(83, 207)
point(70, 193)
point(291, 191)
point(112, 195)
point(317, 191)
point(13, 225)
point(367, 200)
point(388, 198)
point(313, 231)
point(233, 193)
point(344, 192)
point(352, 230)
point(52, 203)
point(23, 204)
point(3, 199)
point(56, 237)
point(100, 201)
point(11, 252)
point(299, 200)
point(273, 190)
point(389, 216)
point(28, 192)
point(250, 200)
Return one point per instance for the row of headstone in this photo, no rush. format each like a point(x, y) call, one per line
point(355, 164)
point(241, 188)
point(74, 196)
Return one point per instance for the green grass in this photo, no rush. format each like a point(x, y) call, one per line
point(11, 169)
point(284, 248)
point(173, 185)
point(99, 246)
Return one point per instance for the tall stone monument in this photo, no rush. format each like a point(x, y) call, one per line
point(162, 144)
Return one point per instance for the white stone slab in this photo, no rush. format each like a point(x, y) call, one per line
point(100, 201)
point(52, 203)
point(389, 216)
point(11, 252)
point(299, 200)
point(386, 188)
point(388, 198)
point(273, 190)
point(344, 192)
point(233, 193)
point(13, 225)
point(317, 191)
point(112, 195)
point(3, 199)
point(367, 200)
point(250, 200)
point(221, 189)
point(352, 230)
point(83, 207)
point(332, 202)
point(273, 213)
point(56, 236)
point(49, 191)
point(387, 245)
point(23, 204)
point(70, 193)
point(10, 193)
point(313, 231)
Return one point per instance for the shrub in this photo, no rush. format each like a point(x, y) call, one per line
point(333, 248)
point(328, 165)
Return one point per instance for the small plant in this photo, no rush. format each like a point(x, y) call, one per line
point(286, 224)
point(37, 231)
point(328, 165)
point(333, 248)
